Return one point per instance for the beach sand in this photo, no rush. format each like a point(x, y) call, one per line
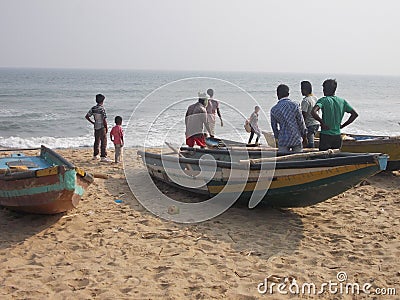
point(110, 250)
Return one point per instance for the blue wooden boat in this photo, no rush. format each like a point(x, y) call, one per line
point(43, 184)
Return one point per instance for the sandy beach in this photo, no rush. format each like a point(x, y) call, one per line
point(105, 249)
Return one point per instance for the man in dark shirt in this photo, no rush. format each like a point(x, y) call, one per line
point(100, 128)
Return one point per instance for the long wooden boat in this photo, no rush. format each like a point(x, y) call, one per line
point(365, 144)
point(286, 182)
point(44, 184)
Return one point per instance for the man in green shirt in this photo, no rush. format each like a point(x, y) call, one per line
point(333, 109)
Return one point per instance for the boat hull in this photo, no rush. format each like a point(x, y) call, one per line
point(46, 191)
point(313, 191)
point(284, 184)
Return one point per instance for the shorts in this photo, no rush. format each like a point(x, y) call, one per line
point(327, 141)
point(196, 139)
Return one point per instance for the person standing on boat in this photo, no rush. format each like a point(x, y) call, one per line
point(287, 123)
point(333, 109)
point(213, 111)
point(100, 128)
point(307, 104)
point(195, 121)
point(253, 122)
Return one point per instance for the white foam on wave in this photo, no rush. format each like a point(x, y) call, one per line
point(51, 142)
point(72, 142)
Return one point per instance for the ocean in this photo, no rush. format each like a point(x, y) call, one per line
point(48, 106)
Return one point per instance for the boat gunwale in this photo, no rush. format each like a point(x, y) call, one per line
point(342, 158)
point(64, 166)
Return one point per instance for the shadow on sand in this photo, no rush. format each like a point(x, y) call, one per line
point(262, 231)
point(17, 227)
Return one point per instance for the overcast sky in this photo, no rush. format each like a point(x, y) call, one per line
point(308, 36)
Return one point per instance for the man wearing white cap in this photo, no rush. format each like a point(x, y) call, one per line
point(196, 120)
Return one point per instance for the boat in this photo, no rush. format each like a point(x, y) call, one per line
point(227, 153)
point(295, 180)
point(364, 144)
point(43, 184)
point(372, 143)
point(228, 150)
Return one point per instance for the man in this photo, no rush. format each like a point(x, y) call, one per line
point(212, 111)
point(333, 109)
point(196, 120)
point(100, 128)
point(307, 104)
point(287, 123)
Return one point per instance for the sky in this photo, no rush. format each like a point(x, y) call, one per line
point(307, 36)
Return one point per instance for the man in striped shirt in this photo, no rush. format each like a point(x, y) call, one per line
point(100, 128)
point(287, 123)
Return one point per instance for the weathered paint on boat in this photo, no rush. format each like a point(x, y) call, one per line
point(374, 144)
point(305, 189)
point(54, 186)
point(364, 144)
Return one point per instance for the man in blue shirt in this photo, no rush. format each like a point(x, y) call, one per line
point(287, 123)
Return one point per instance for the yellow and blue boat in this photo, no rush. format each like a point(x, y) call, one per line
point(363, 144)
point(284, 181)
point(373, 144)
point(43, 184)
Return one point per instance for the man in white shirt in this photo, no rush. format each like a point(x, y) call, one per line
point(213, 111)
point(196, 121)
point(307, 105)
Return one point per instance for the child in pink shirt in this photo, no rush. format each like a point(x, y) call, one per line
point(117, 137)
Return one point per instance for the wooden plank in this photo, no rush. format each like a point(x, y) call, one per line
point(289, 157)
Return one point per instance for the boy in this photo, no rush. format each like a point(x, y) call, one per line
point(100, 128)
point(117, 137)
point(253, 121)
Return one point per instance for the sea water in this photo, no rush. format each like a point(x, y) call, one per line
point(48, 106)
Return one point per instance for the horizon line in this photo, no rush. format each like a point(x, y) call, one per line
point(195, 70)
